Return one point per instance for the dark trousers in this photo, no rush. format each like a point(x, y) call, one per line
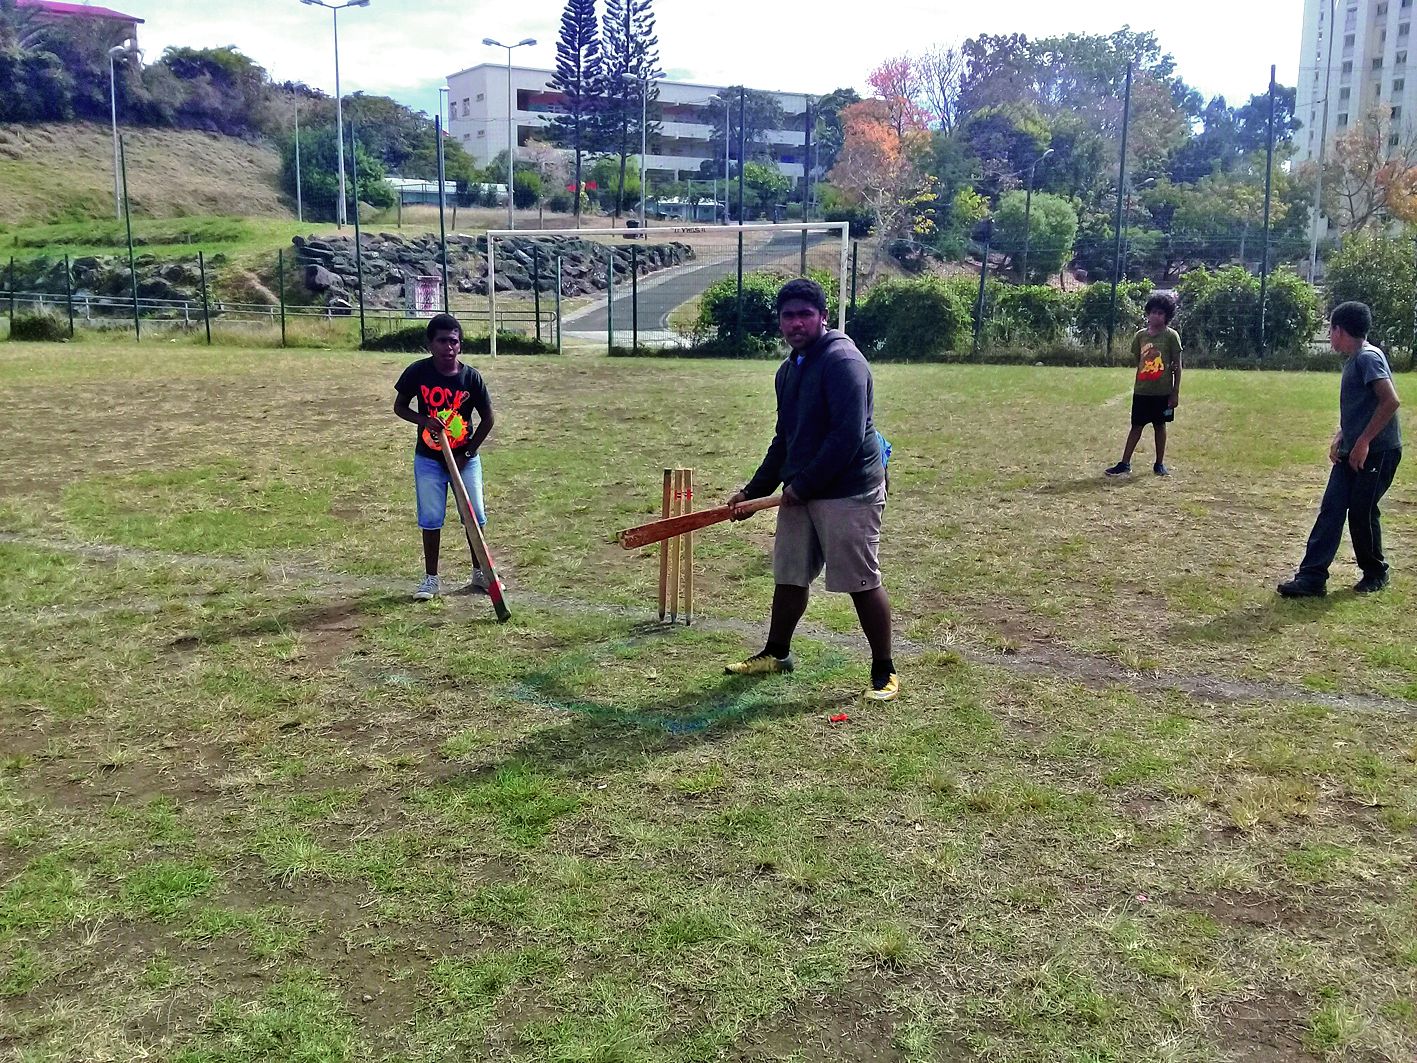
point(1353, 496)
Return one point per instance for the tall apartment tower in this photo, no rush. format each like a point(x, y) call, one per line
point(1354, 62)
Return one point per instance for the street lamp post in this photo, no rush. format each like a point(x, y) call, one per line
point(126, 48)
point(511, 126)
point(1329, 37)
point(644, 138)
point(1028, 213)
point(442, 196)
point(335, 9)
point(727, 120)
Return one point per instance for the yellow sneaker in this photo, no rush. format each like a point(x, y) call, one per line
point(889, 692)
point(761, 664)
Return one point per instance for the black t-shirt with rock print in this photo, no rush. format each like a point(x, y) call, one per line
point(451, 399)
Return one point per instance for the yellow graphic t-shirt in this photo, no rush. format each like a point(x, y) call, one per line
point(1156, 356)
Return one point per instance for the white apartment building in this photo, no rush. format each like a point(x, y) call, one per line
point(1361, 54)
point(477, 104)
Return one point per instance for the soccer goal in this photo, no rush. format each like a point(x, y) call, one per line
point(662, 286)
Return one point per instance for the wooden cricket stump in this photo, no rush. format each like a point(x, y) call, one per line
point(676, 555)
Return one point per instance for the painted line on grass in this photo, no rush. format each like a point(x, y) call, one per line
point(1041, 660)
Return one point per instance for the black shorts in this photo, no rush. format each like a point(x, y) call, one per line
point(1149, 409)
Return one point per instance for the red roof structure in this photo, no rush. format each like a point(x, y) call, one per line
point(63, 10)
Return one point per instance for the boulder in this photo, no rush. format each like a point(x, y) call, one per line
point(319, 279)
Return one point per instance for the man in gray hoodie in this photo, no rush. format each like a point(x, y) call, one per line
point(826, 454)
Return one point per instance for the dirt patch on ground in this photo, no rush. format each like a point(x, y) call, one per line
point(326, 635)
point(855, 1024)
point(1268, 1028)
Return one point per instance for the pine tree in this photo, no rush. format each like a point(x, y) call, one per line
point(631, 65)
point(579, 79)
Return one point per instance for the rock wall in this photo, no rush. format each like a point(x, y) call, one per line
point(330, 274)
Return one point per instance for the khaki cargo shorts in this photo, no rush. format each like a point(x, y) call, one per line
point(842, 534)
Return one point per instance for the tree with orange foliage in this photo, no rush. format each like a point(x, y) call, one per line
point(876, 168)
point(1371, 177)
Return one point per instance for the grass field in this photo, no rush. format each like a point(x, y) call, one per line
point(257, 805)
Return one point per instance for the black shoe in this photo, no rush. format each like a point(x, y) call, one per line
point(1370, 584)
point(1160, 470)
point(1122, 468)
point(1297, 588)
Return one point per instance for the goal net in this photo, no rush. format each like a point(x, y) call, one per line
point(663, 286)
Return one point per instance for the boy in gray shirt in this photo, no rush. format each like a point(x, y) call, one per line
point(1365, 453)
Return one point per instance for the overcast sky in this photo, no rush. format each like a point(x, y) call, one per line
point(405, 48)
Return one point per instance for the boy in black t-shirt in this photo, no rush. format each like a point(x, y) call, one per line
point(448, 392)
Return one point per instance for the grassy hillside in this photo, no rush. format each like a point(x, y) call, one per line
point(58, 173)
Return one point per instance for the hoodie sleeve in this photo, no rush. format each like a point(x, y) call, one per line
point(769, 473)
point(848, 384)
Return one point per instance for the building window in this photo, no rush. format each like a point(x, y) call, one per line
point(1398, 84)
point(481, 133)
point(1400, 59)
point(1393, 140)
point(481, 96)
point(1382, 10)
point(1378, 63)
point(1343, 95)
point(1342, 121)
point(466, 110)
point(1396, 112)
point(1404, 29)
point(1347, 67)
point(1348, 41)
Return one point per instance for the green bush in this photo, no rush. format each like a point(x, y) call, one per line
point(718, 307)
point(1094, 305)
point(526, 189)
point(39, 328)
point(1031, 315)
point(910, 320)
point(1376, 269)
point(413, 340)
point(1220, 312)
point(965, 287)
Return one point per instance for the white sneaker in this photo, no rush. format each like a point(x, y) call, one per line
point(479, 584)
point(428, 589)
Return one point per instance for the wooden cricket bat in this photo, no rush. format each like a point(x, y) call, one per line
point(657, 531)
point(475, 542)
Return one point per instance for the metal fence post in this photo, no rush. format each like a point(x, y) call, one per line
point(559, 349)
point(69, 294)
point(738, 315)
point(1268, 191)
point(280, 288)
point(610, 301)
point(206, 303)
point(1121, 220)
point(855, 247)
point(128, 225)
point(635, 298)
point(536, 286)
point(10, 283)
point(983, 276)
point(358, 244)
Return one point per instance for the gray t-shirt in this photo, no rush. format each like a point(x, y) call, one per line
point(1357, 401)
